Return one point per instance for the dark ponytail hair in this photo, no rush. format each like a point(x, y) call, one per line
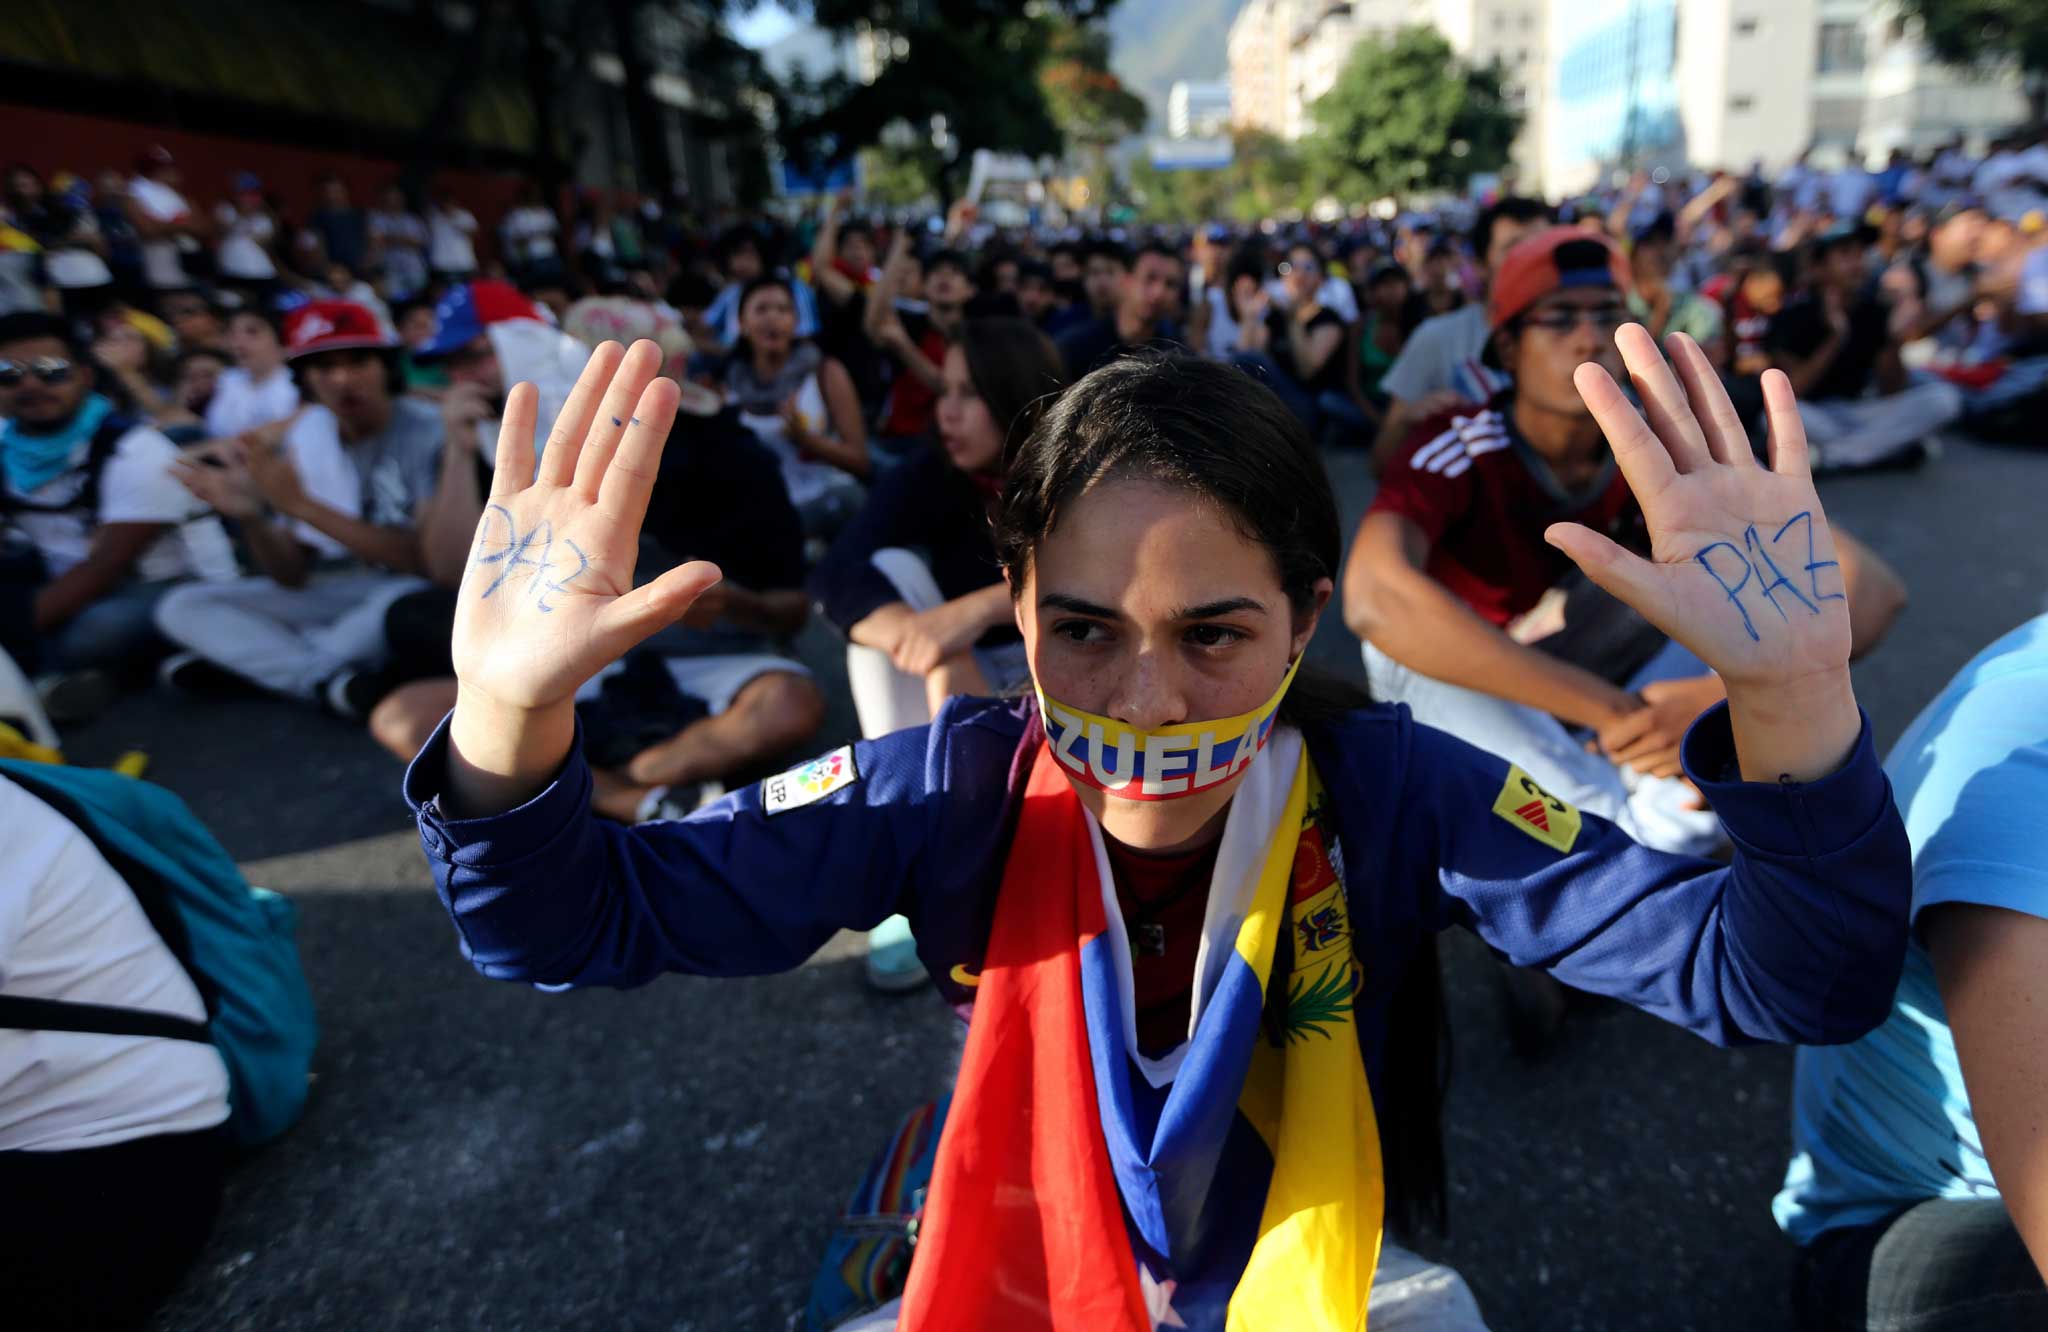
point(1218, 434)
point(1017, 371)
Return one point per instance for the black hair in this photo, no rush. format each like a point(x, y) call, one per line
point(276, 327)
point(1028, 270)
point(1017, 371)
point(742, 349)
point(1205, 428)
point(400, 309)
point(737, 239)
point(762, 283)
point(204, 349)
point(1072, 249)
point(392, 358)
point(691, 290)
point(24, 325)
point(950, 258)
point(1104, 248)
point(1156, 247)
point(1248, 259)
point(1215, 432)
point(1512, 208)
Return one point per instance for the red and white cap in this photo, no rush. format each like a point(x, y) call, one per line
point(323, 326)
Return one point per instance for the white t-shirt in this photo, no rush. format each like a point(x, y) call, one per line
point(1444, 353)
point(529, 232)
point(71, 929)
point(314, 446)
point(160, 263)
point(136, 486)
point(806, 479)
point(241, 403)
point(243, 236)
point(449, 249)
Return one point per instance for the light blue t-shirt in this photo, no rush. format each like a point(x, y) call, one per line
point(1885, 1122)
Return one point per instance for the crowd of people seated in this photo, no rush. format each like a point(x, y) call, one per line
point(249, 452)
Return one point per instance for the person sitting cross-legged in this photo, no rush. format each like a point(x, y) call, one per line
point(1454, 551)
point(345, 543)
point(94, 530)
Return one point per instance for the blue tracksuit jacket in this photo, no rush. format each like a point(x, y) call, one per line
point(1800, 939)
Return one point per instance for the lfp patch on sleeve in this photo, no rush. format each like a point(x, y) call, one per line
point(808, 783)
point(1537, 812)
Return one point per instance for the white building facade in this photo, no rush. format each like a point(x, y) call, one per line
point(1731, 83)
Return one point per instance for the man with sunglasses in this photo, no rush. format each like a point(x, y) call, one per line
point(89, 519)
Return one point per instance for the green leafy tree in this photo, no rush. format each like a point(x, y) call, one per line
point(1994, 33)
point(1266, 176)
point(960, 74)
point(1089, 104)
point(1406, 114)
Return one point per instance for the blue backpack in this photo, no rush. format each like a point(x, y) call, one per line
point(234, 941)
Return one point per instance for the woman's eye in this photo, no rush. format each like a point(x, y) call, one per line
point(1078, 631)
point(1213, 635)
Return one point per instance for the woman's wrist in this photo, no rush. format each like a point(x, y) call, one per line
point(1800, 730)
point(501, 755)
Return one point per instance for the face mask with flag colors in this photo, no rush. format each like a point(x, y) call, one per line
point(1172, 761)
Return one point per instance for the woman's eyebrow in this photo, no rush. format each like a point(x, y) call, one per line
point(1209, 610)
point(1061, 601)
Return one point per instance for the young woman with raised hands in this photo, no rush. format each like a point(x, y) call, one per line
point(1182, 889)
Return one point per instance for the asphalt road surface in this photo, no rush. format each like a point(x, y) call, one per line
point(481, 1156)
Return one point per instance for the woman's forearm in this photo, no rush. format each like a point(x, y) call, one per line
point(1802, 731)
point(501, 757)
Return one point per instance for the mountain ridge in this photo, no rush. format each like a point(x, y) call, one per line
point(1156, 43)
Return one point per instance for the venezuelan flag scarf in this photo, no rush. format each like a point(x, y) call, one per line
point(1072, 1191)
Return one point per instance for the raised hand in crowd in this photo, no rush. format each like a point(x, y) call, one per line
point(217, 473)
point(548, 599)
point(1743, 569)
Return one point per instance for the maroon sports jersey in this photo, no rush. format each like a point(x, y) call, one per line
point(1467, 482)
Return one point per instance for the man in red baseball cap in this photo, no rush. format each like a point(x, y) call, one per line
point(1451, 561)
point(331, 501)
point(1450, 581)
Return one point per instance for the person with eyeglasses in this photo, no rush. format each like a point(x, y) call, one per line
point(1448, 578)
point(90, 521)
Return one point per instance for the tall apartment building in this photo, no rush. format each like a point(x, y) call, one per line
point(1727, 83)
point(1259, 63)
point(1515, 34)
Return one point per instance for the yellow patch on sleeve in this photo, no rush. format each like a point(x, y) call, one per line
point(1537, 812)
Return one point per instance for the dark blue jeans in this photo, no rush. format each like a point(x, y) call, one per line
point(1944, 1265)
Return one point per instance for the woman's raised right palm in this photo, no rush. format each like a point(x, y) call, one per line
point(548, 598)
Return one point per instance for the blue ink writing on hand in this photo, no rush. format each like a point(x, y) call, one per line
point(636, 420)
point(513, 553)
point(1814, 564)
point(617, 422)
point(1731, 588)
point(1755, 544)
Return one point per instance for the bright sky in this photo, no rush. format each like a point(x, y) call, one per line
point(765, 25)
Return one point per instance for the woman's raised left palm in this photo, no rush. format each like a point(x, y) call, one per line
point(1742, 566)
